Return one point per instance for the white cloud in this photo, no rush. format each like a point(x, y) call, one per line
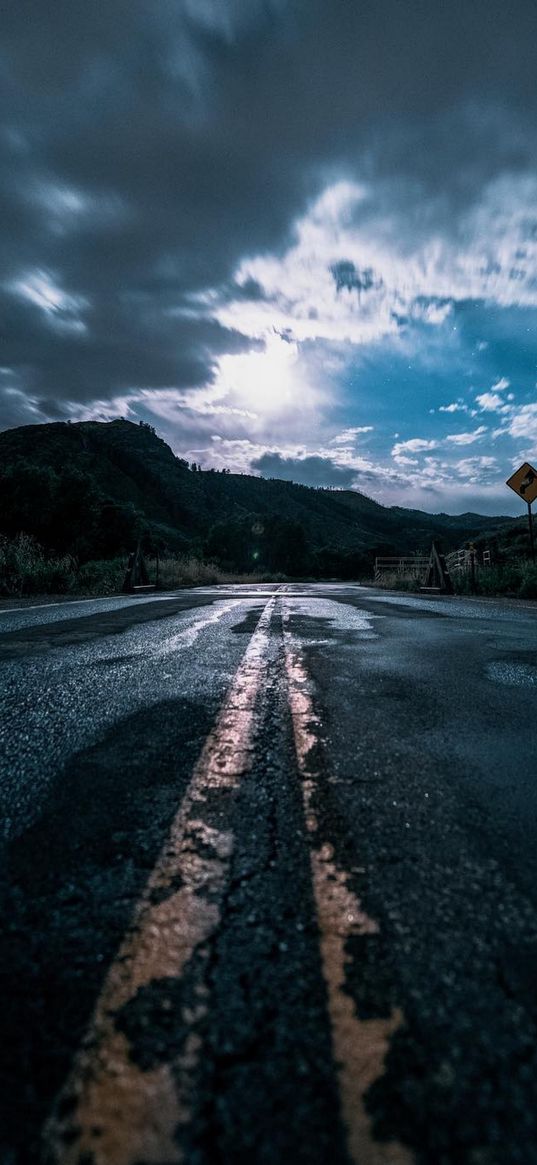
point(348, 436)
point(41, 288)
point(456, 407)
point(432, 312)
point(395, 276)
point(476, 469)
point(355, 274)
point(491, 402)
point(523, 423)
point(103, 410)
point(467, 438)
point(414, 445)
point(171, 403)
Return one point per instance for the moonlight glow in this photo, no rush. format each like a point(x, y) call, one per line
point(267, 382)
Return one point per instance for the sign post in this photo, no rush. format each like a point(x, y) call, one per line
point(524, 483)
point(530, 523)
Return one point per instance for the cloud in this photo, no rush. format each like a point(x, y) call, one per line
point(477, 469)
point(390, 279)
point(76, 349)
point(16, 407)
point(186, 190)
point(165, 190)
point(523, 423)
point(467, 438)
point(414, 445)
point(491, 402)
point(348, 436)
point(310, 470)
point(347, 277)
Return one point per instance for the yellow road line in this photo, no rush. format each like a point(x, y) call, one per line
point(359, 1046)
point(110, 1108)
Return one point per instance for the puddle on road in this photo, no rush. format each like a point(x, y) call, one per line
point(330, 617)
point(187, 636)
point(163, 643)
point(516, 675)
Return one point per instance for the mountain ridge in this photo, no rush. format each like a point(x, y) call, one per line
point(91, 488)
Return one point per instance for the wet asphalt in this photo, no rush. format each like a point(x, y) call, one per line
point(428, 763)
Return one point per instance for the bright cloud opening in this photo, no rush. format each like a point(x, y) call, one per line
point(270, 382)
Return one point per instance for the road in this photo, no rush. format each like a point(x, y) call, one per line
point(269, 886)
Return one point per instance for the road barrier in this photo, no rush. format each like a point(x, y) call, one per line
point(137, 577)
point(409, 567)
point(418, 568)
point(469, 560)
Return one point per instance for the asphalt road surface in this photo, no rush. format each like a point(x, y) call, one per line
point(269, 888)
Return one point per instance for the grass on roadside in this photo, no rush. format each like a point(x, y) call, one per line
point(26, 569)
point(187, 570)
point(515, 579)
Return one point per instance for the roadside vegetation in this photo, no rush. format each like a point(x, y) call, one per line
point(85, 495)
point(92, 489)
point(27, 569)
point(512, 572)
point(187, 570)
point(517, 579)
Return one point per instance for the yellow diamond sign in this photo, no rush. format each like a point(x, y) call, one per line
point(524, 482)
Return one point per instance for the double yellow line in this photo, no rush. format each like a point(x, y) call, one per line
point(359, 1046)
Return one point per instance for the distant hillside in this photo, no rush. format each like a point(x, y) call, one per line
point(92, 488)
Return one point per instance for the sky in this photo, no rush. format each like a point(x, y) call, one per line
point(299, 237)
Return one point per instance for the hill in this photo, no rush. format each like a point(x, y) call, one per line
point(92, 488)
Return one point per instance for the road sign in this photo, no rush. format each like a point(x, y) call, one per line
point(524, 482)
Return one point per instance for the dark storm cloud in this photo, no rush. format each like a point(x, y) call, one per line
point(108, 347)
point(147, 147)
point(315, 471)
point(17, 409)
point(347, 277)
